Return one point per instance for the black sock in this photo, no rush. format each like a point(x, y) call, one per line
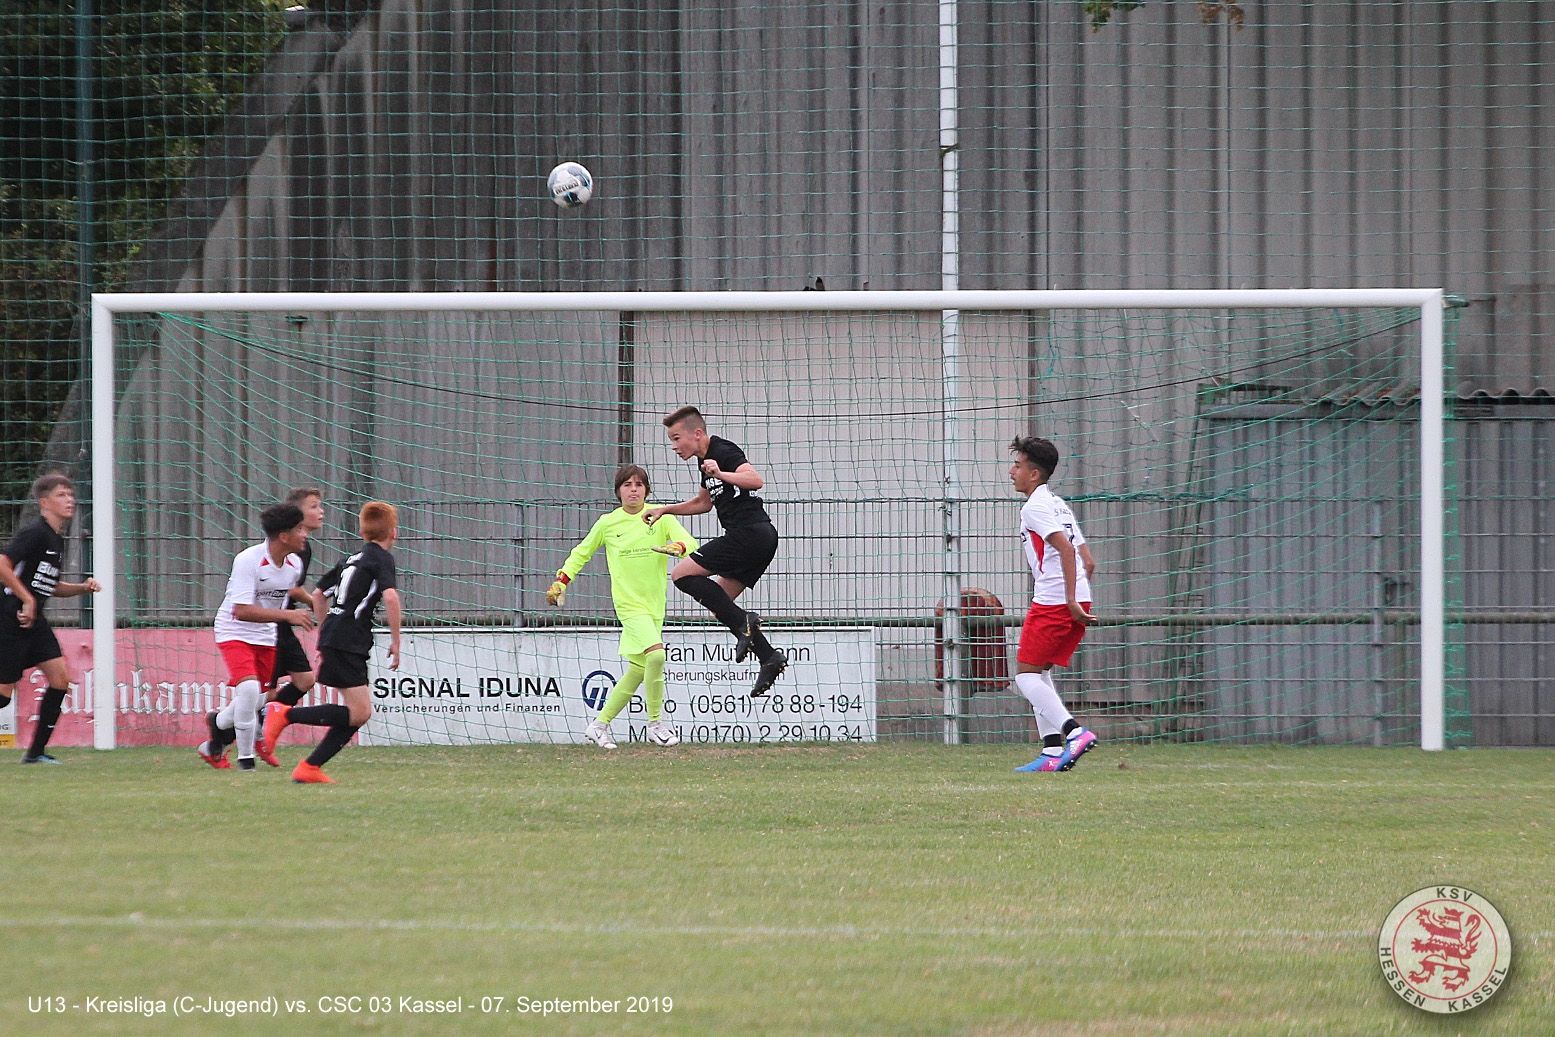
point(221, 736)
point(715, 600)
point(1070, 725)
point(1052, 741)
point(289, 694)
point(330, 716)
point(5, 700)
point(333, 741)
point(48, 716)
point(761, 646)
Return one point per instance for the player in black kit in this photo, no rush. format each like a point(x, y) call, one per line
point(739, 557)
point(291, 661)
point(357, 583)
point(29, 571)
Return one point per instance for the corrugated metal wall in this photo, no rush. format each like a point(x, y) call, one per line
point(748, 146)
point(752, 146)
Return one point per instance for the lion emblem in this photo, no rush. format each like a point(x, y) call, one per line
point(1450, 942)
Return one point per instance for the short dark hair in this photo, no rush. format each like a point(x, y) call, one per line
point(688, 413)
point(298, 494)
point(278, 518)
point(1038, 451)
point(47, 484)
point(626, 471)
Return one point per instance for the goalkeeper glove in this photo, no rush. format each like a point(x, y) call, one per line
point(675, 549)
point(558, 590)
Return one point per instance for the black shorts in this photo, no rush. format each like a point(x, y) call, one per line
point(22, 648)
point(339, 669)
point(289, 655)
point(742, 553)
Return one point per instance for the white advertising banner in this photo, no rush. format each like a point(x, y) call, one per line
point(464, 686)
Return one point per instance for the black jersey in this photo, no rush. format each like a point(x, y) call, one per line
point(37, 553)
point(735, 506)
point(356, 583)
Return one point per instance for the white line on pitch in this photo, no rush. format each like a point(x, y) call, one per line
point(629, 928)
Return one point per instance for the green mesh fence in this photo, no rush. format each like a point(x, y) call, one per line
point(402, 145)
point(1249, 482)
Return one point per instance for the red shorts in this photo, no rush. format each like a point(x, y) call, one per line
point(248, 662)
point(1050, 635)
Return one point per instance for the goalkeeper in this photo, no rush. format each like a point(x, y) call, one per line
point(638, 586)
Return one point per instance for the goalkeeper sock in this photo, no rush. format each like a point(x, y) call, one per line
point(653, 682)
point(333, 741)
point(331, 716)
point(621, 694)
point(713, 598)
point(48, 715)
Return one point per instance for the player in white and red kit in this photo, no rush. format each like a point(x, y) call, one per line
point(1061, 567)
point(256, 600)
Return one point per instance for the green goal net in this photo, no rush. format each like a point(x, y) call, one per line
point(1249, 479)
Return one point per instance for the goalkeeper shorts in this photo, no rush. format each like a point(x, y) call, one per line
point(640, 633)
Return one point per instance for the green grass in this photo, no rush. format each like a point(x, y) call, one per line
point(902, 889)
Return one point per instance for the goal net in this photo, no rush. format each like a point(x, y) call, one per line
point(1259, 474)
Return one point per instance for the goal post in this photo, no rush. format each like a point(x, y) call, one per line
point(1168, 382)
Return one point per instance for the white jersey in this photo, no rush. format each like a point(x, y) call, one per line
point(1040, 517)
point(256, 580)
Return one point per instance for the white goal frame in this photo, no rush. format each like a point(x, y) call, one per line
point(1431, 303)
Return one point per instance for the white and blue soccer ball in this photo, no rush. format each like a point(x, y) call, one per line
point(571, 185)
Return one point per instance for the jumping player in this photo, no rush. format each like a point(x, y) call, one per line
point(257, 593)
point(742, 554)
point(1060, 602)
point(291, 662)
point(357, 583)
point(29, 571)
point(637, 590)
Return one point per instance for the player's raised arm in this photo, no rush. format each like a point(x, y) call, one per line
point(675, 542)
point(745, 476)
point(701, 504)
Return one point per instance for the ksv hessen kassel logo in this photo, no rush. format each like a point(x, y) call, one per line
point(1445, 949)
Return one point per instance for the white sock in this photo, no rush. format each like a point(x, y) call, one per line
point(1030, 686)
point(245, 703)
point(1039, 691)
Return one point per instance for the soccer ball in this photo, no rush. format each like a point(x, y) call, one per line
point(571, 185)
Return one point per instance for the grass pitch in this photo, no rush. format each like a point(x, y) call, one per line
point(892, 889)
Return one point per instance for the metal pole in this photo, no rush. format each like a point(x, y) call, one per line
point(104, 663)
point(950, 360)
point(1433, 567)
point(86, 251)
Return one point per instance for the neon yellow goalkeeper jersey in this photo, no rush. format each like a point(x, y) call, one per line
point(637, 571)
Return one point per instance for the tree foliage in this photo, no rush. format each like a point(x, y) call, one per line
point(164, 73)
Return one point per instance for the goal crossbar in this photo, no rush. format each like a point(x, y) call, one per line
point(1429, 301)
